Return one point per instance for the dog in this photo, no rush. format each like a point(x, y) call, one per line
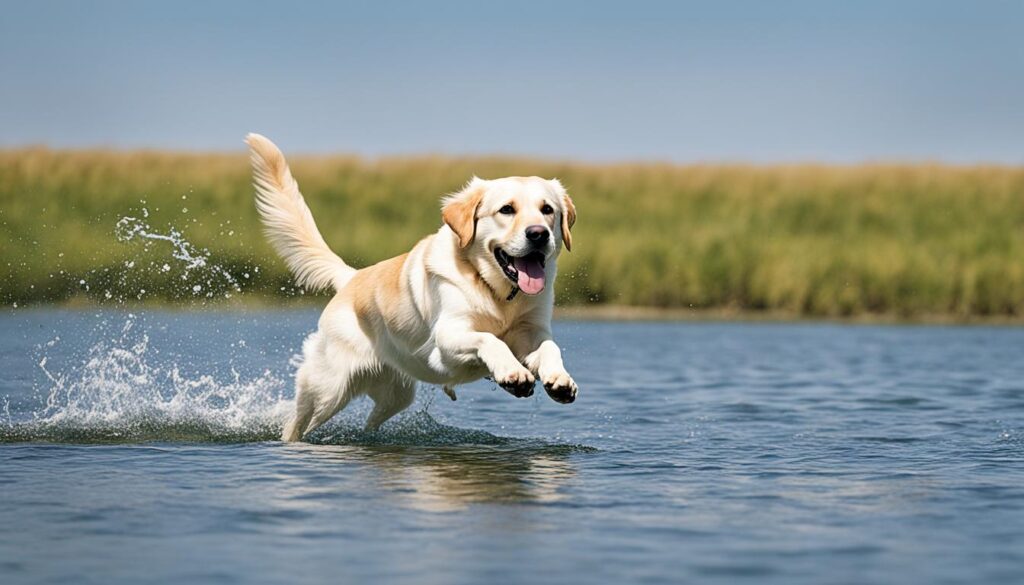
point(472, 300)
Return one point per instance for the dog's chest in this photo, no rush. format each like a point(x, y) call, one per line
point(498, 322)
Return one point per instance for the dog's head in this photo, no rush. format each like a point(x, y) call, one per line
point(512, 228)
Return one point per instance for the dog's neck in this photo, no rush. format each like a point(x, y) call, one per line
point(494, 279)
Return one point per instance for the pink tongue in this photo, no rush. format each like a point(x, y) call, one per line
point(531, 275)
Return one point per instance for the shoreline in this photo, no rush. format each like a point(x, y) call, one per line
point(727, 315)
point(623, 313)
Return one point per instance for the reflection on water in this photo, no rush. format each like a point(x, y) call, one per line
point(439, 479)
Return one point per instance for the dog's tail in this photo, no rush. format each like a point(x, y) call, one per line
point(289, 224)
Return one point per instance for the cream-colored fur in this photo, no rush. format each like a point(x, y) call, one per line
point(439, 314)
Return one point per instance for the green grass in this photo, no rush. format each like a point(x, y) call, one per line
point(902, 240)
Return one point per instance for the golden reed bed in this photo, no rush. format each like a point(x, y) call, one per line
point(904, 241)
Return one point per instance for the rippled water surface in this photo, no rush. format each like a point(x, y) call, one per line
point(141, 449)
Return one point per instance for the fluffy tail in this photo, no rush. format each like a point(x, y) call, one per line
point(289, 224)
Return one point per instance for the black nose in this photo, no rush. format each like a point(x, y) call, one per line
point(537, 234)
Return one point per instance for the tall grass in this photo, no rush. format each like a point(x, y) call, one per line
point(802, 239)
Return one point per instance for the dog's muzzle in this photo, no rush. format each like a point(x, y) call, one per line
point(527, 272)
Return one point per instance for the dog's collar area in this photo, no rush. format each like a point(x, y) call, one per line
point(512, 295)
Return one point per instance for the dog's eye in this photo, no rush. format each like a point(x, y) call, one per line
point(507, 210)
point(547, 209)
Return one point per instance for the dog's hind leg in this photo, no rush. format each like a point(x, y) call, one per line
point(391, 393)
point(316, 404)
point(323, 387)
point(304, 405)
point(327, 410)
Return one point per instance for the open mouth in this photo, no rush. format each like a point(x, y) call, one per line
point(527, 271)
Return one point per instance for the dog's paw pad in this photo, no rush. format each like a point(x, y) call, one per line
point(518, 384)
point(520, 389)
point(561, 388)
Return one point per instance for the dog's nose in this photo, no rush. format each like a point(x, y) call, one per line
point(537, 234)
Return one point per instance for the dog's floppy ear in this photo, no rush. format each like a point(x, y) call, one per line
point(459, 210)
point(568, 219)
point(568, 215)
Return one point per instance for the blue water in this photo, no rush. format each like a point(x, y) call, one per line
point(141, 449)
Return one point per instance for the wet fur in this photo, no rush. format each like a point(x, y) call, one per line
point(437, 314)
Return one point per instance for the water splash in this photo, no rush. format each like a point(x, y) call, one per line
point(412, 428)
point(195, 262)
point(117, 394)
point(120, 390)
point(123, 390)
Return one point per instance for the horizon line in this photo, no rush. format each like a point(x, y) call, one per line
point(534, 158)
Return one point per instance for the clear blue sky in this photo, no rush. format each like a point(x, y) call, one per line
point(760, 81)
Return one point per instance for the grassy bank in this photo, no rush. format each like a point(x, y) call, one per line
point(802, 240)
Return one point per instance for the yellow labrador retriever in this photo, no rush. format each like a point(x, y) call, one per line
point(448, 312)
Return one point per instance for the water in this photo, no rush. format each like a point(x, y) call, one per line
point(141, 449)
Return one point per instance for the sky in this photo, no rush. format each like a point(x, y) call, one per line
point(715, 81)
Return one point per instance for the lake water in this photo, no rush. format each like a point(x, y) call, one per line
point(141, 449)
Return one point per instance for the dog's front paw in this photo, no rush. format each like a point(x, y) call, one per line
point(561, 387)
point(517, 381)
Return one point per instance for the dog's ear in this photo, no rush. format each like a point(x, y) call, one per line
point(568, 219)
point(459, 210)
point(568, 215)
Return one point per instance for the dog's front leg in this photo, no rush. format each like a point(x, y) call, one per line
point(544, 358)
point(459, 345)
